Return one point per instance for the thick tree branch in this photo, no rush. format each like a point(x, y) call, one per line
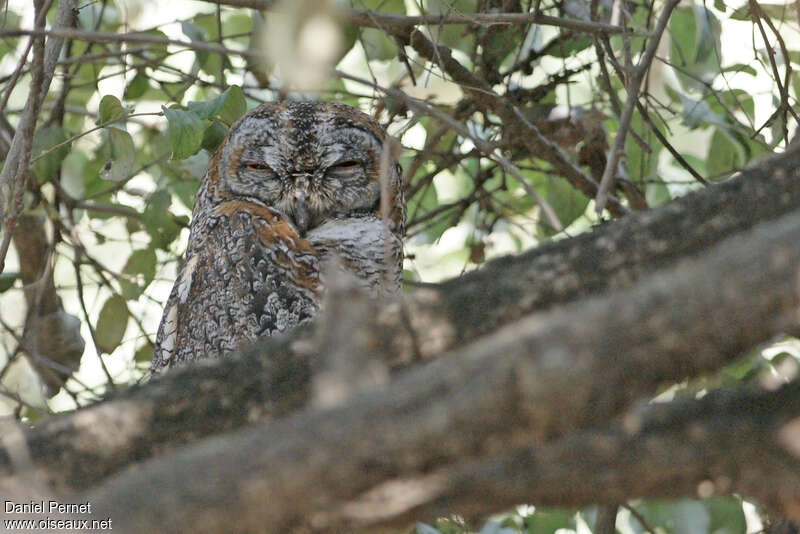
point(236, 392)
point(728, 441)
point(538, 378)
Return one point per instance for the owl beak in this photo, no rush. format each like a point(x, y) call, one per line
point(301, 216)
point(302, 219)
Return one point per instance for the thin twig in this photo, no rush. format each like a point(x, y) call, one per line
point(485, 97)
point(783, 88)
point(106, 37)
point(80, 251)
point(23, 60)
point(16, 163)
point(19, 156)
point(87, 132)
point(373, 19)
point(633, 86)
point(640, 518)
point(487, 148)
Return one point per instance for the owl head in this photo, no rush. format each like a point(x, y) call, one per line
point(312, 161)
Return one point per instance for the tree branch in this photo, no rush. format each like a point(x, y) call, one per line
point(540, 377)
point(730, 441)
point(430, 322)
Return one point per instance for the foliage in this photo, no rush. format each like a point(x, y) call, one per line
point(128, 127)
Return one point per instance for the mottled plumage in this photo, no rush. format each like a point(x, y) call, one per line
point(295, 185)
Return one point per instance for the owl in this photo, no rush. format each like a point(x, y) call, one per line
point(295, 188)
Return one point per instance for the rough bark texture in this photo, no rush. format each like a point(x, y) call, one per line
point(536, 379)
point(80, 449)
point(728, 441)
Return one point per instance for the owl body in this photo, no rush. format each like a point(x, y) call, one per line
point(295, 186)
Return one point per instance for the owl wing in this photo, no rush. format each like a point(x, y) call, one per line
point(176, 308)
point(249, 276)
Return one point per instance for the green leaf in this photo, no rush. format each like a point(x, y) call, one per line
point(111, 324)
point(185, 131)
point(7, 281)
point(144, 354)
point(209, 108)
point(778, 11)
point(213, 136)
point(141, 269)
point(727, 515)
point(741, 67)
point(566, 201)
point(549, 521)
point(10, 21)
point(156, 51)
point(47, 166)
point(228, 106)
point(453, 35)
point(683, 516)
point(193, 31)
point(89, 72)
point(237, 24)
point(377, 45)
point(196, 34)
point(136, 87)
point(142, 262)
point(186, 191)
point(570, 47)
point(207, 24)
point(656, 193)
point(123, 155)
point(642, 165)
point(204, 28)
point(725, 155)
point(383, 6)
point(110, 109)
point(696, 112)
point(158, 220)
point(734, 99)
point(234, 106)
point(695, 45)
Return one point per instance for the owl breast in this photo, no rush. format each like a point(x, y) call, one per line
point(364, 247)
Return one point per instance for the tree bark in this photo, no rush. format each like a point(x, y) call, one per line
point(529, 382)
point(729, 441)
point(80, 449)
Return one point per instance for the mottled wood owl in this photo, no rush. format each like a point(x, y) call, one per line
point(294, 187)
